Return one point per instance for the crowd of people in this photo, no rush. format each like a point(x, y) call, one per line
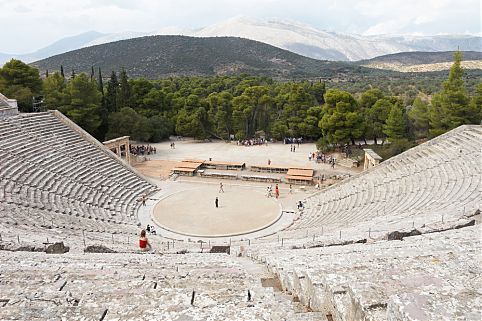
point(252, 142)
point(293, 140)
point(143, 150)
point(320, 157)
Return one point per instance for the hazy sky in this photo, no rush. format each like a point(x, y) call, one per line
point(27, 25)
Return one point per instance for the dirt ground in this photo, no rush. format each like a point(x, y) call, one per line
point(159, 169)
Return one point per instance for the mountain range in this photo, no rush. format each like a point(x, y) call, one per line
point(156, 57)
point(289, 35)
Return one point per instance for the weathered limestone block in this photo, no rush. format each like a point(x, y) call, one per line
point(397, 235)
point(57, 248)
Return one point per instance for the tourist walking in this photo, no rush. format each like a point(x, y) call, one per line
point(277, 191)
point(291, 189)
point(216, 202)
point(143, 200)
point(221, 189)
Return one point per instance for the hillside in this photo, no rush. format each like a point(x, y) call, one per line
point(421, 57)
point(422, 61)
point(164, 56)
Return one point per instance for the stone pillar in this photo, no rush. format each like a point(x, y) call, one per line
point(128, 152)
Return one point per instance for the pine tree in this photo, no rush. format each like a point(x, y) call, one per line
point(92, 74)
point(112, 92)
point(124, 95)
point(342, 120)
point(419, 118)
point(104, 114)
point(451, 107)
point(100, 83)
point(62, 71)
point(47, 73)
point(84, 103)
point(396, 126)
point(477, 102)
point(20, 81)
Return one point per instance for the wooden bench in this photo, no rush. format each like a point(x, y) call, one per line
point(219, 175)
point(269, 168)
point(224, 165)
point(259, 178)
point(292, 179)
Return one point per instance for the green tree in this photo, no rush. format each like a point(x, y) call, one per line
point(124, 123)
point(451, 107)
point(124, 94)
point(20, 81)
point(369, 98)
point(83, 103)
point(112, 93)
point(318, 90)
point(191, 123)
point(279, 130)
point(366, 102)
point(309, 127)
point(477, 101)
point(160, 127)
point(396, 125)
point(419, 118)
point(139, 90)
point(153, 102)
point(375, 118)
point(103, 112)
point(219, 113)
point(251, 111)
point(342, 121)
point(53, 91)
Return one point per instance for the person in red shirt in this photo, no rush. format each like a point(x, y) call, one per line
point(144, 244)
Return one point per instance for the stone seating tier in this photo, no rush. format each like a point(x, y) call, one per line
point(436, 181)
point(137, 286)
point(47, 164)
point(428, 277)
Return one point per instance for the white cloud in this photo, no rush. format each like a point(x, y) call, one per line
point(30, 24)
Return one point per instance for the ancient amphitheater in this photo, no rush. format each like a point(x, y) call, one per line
point(400, 241)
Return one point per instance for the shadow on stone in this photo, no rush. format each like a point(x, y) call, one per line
point(220, 249)
point(98, 249)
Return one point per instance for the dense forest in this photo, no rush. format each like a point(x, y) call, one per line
point(244, 106)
